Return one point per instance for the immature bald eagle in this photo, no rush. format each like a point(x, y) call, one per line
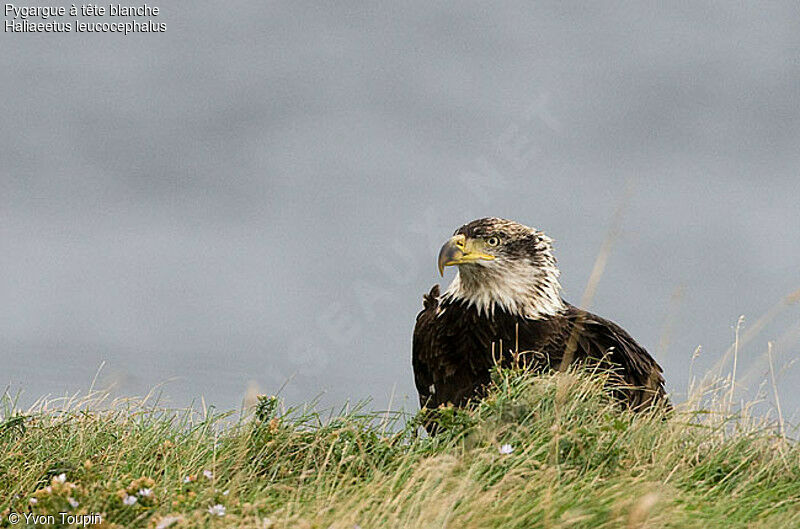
point(505, 301)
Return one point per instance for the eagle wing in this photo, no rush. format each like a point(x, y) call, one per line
point(423, 346)
point(603, 340)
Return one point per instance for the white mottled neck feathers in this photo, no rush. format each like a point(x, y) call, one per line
point(520, 288)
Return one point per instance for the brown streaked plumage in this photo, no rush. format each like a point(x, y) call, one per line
point(507, 292)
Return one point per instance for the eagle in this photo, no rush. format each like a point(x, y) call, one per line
point(504, 306)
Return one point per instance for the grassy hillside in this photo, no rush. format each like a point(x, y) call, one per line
point(546, 451)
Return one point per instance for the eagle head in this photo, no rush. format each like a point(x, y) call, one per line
point(502, 263)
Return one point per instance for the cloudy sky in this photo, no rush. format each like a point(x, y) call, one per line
point(257, 196)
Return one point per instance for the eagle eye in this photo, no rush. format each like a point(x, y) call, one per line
point(493, 241)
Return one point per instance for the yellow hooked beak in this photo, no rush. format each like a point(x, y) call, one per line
point(459, 250)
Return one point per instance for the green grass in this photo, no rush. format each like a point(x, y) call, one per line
point(578, 460)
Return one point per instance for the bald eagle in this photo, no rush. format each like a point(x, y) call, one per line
point(504, 305)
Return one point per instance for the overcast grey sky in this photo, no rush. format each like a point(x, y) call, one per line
point(258, 194)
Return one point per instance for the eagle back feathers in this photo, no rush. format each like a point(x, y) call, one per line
point(455, 346)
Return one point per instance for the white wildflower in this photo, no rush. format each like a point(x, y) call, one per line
point(506, 449)
point(208, 474)
point(130, 500)
point(226, 492)
point(145, 493)
point(217, 510)
point(73, 503)
point(33, 501)
point(61, 478)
